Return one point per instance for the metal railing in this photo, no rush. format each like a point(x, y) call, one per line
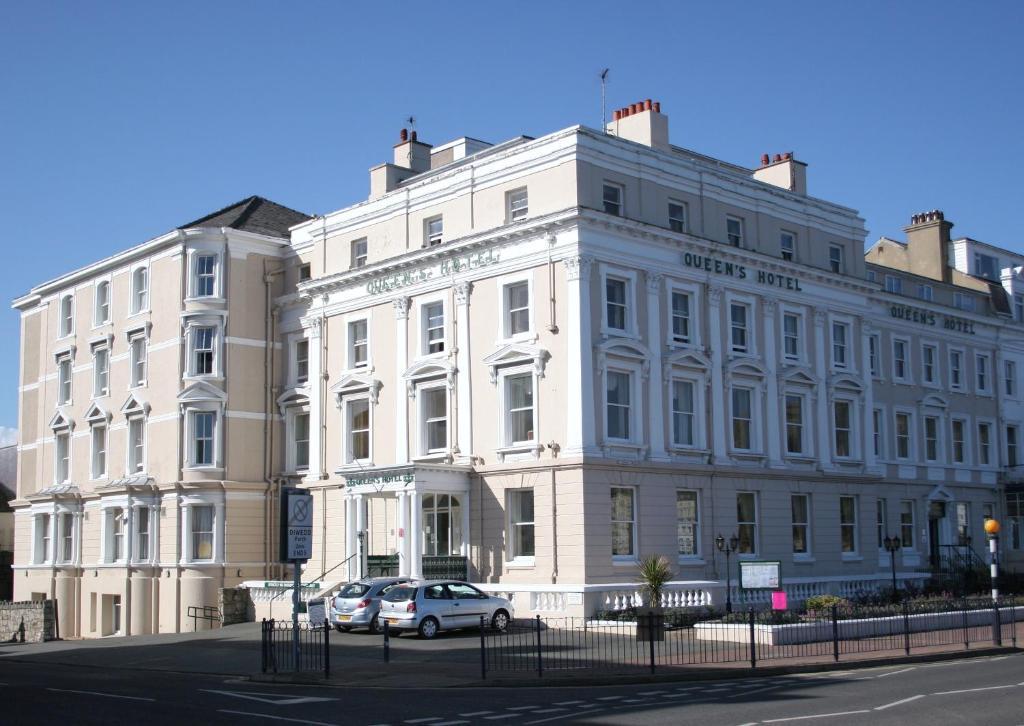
point(278, 654)
point(665, 640)
point(442, 567)
point(209, 613)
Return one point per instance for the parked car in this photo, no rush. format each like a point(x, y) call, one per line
point(358, 603)
point(435, 605)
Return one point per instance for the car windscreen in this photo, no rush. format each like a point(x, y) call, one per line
point(354, 590)
point(401, 593)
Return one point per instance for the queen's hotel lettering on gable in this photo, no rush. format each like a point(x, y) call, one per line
point(930, 319)
point(448, 266)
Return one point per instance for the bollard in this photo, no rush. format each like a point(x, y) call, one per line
point(387, 642)
point(835, 632)
point(997, 627)
point(540, 660)
point(483, 651)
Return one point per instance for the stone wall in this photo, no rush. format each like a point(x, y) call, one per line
point(236, 606)
point(28, 622)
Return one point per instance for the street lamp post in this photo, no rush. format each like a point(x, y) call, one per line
point(727, 548)
point(892, 546)
point(992, 531)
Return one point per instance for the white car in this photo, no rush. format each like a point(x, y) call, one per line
point(435, 605)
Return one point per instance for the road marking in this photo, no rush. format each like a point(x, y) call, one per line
point(275, 718)
point(476, 713)
point(815, 715)
point(896, 673)
point(520, 708)
point(758, 690)
point(449, 723)
point(422, 720)
point(649, 693)
point(97, 693)
point(566, 703)
point(501, 716)
point(277, 699)
point(609, 698)
point(547, 710)
point(553, 718)
point(898, 703)
point(972, 690)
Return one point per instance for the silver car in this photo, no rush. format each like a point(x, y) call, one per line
point(435, 605)
point(358, 603)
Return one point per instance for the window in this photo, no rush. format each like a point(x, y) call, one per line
point(623, 523)
point(615, 291)
point(611, 196)
point(1018, 308)
point(925, 292)
point(681, 317)
point(963, 520)
point(734, 231)
point(1015, 514)
point(956, 359)
point(67, 536)
point(517, 308)
point(138, 361)
point(136, 444)
point(301, 361)
point(518, 204)
point(787, 245)
point(358, 345)
point(794, 424)
point(203, 423)
point(67, 316)
point(874, 344)
point(835, 258)
point(986, 266)
point(64, 381)
point(984, 443)
point(931, 438)
point(746, 523)
point(434, 231)
point(687, 524)
point(876, 417)
point(981, 372)
point(435, 420)
point(62, 452)
point(43, 524)
point(206, 275)
point(840, 338)
point(140, 289)
point(902, 435)
point(101, 306)
point(848, 524)
point(202, 350)
point(358, 253)
point(683, 413)
point(433, 327)
point(880, 517)
point(519, 404)
point(799, 506)
point(142, 534)
point(520, 507)
point(742, 418)
point(959, 427)
point(907, 524)
point(305, 272)
point(116, 520)
point(791, 336)
point(357, 414)
point(899, 360)
point(963, 301)
point(1011, 445)
point(928, 355)
point(99, 452)
point(101, 372)
point(618, 405)
point(894, 284)
point(202, 532)
point(872, 276)
point(1010, 377)
point(841, 418)
point(677, 216)
point(738, 322)
point(300, 441)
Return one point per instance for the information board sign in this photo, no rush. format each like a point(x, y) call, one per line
point(760, 574)
point(317, 612)
point(296, 525)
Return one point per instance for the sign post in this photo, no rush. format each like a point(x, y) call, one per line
point(296, 547)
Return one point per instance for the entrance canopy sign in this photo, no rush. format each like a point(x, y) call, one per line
point(760, 575)
point(296, 525)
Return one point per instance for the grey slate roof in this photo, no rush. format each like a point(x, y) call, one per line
point(253, 214)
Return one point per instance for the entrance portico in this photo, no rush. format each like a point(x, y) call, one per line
point(430, 519)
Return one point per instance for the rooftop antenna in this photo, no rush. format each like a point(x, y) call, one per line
point(604, 114)
point(411, 121)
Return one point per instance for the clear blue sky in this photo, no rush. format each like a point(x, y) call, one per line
point(120, 121)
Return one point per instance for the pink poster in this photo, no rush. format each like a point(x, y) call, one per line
point(779, 600)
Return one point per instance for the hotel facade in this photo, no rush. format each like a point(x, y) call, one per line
point(527, 364)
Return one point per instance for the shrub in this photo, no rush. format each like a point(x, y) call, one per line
point(824, 602)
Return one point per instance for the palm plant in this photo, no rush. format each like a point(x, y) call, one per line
point(655, 573)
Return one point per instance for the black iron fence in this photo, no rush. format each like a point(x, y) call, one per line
point(664, 640)
point(282, 654)
point(452, 567)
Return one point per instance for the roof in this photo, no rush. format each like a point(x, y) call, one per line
point(253, 214)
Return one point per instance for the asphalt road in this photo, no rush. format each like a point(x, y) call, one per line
point(987, 691)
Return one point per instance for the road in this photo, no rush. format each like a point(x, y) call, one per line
point(988, 690)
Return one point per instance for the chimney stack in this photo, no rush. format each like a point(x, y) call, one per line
point(412, 153)
point(641, 122)
point(928, 245)
point(784, 171)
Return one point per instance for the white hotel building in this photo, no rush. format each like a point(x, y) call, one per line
point(531, 364)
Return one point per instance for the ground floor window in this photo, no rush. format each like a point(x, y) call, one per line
point(848, 524)
point(623, 522)
point(907, 523)
point(442, 525)
point(202, 532)
point(1015, 515)
point(800, 508)
point(521, 523)
point(687, 524)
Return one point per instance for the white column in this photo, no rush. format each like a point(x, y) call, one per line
point(869, 395)
point(219, 528)
point(154, 537)
point(775, 425)
point(656, 386)
point(821, 362)
point(415, 535)
point(719, 415)
point(186, 534)
point(129, 532)
point(464, 397)
point(401, 363)
point(359, 503)
point(350, 536)
point(580, 426)
point(465, 524)
point(316, 413)
point(76, 544)
point(403, 534)
point(53, 535)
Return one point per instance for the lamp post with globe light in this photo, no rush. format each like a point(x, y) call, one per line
point(727, 548)
point(892, 546)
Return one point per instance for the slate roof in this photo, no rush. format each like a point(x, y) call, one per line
point(253, 214)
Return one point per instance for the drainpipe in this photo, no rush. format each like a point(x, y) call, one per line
point(269, 332)
point(552, 325)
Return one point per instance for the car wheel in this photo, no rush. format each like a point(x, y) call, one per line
point(428, 628)
point(500, 621)
point(376, 626)
point(342, 628)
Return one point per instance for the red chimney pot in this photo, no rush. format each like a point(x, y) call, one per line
point(403, 135)
point(657, 107)
point(778, 158)
point(413, 135)
point(617, 115)
point(647, 105)
point(765, 159)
